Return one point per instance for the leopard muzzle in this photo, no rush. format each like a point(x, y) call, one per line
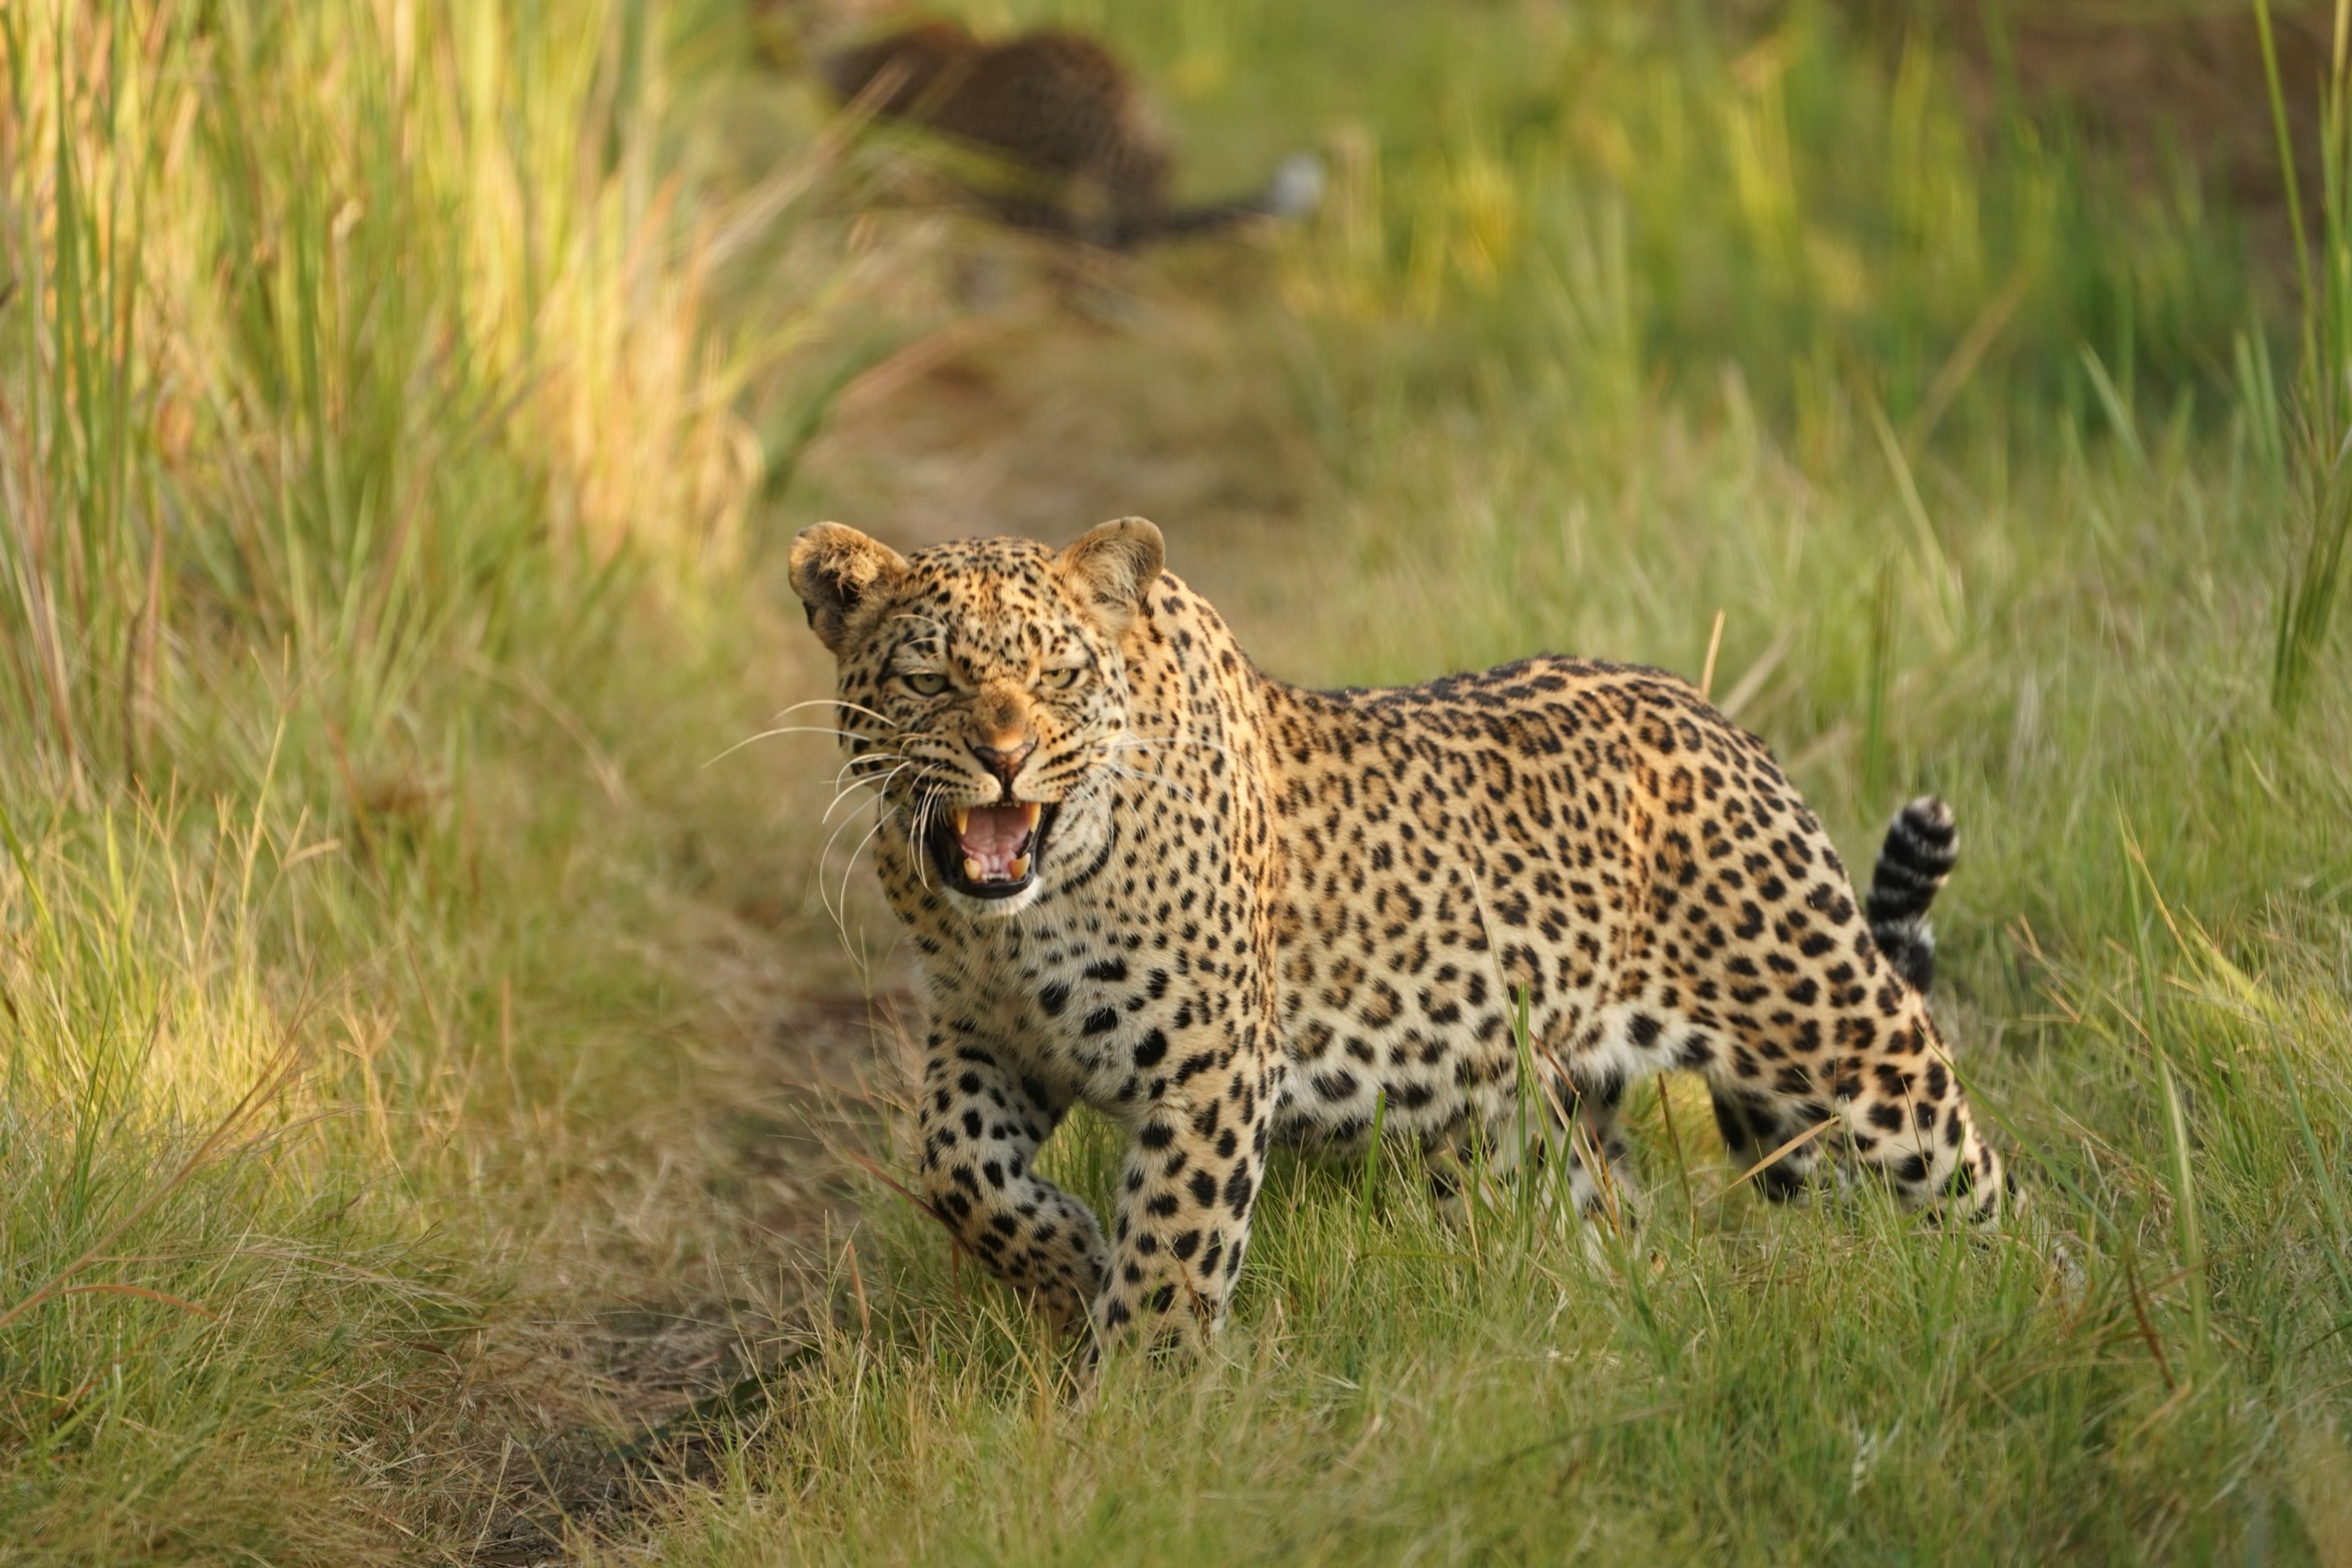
point(991, 851)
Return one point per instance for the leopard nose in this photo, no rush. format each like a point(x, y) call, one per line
point(1004, 762)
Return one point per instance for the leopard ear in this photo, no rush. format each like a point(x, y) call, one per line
point(839, 573)
point(1113, 567)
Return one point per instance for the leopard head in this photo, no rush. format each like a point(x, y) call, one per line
point(982, 694)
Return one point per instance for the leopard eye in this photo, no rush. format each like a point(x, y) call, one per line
point(925, 683)
point(1063, 680)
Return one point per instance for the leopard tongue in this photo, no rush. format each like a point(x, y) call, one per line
point(996, 840)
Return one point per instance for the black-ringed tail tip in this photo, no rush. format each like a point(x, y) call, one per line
point(991, 852)
point(1923, 844)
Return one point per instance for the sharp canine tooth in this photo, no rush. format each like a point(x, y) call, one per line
point(1020, 866)
point(970, 869)
point(962, 820)
point(1029, 813)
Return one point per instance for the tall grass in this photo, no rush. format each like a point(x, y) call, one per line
point(361, 417)
point(205, 1305)
point(1753, 185)
point(2313, 580)
point(389, 999)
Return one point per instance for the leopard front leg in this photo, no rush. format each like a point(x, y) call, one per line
point(1185, 1199)
point(981, 1126)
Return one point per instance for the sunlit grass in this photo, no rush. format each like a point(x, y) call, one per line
point(396, 397)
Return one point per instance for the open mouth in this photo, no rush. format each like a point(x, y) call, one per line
point(991, 852)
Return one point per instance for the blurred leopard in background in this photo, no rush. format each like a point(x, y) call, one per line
point(1223, 911)
point(1067, 141)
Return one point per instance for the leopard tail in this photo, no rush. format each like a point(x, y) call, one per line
point(1922, 846)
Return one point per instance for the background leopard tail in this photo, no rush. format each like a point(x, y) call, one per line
point(1922, 846)
point(1292, 195)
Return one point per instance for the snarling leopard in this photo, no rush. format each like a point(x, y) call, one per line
point(1228, 913)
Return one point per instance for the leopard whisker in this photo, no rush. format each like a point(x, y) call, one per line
point(840, 922)
point(843, 787)
point(920, 830)
point(873, 759)
point(867, 759)
point(850, 868)
point(880, 786)
point(785, 730)
point(838, 702)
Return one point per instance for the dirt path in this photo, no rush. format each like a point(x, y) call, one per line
point(1161, 390)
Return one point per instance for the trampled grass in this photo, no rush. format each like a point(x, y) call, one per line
point(424, 1070)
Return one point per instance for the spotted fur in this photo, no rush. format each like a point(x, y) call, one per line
point(1260, 913)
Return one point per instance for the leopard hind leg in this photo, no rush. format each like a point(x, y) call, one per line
point(1755, 1124)
point(1561, 1144)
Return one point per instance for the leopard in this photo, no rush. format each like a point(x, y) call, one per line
point(1231, 914)
point(1066, 142)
